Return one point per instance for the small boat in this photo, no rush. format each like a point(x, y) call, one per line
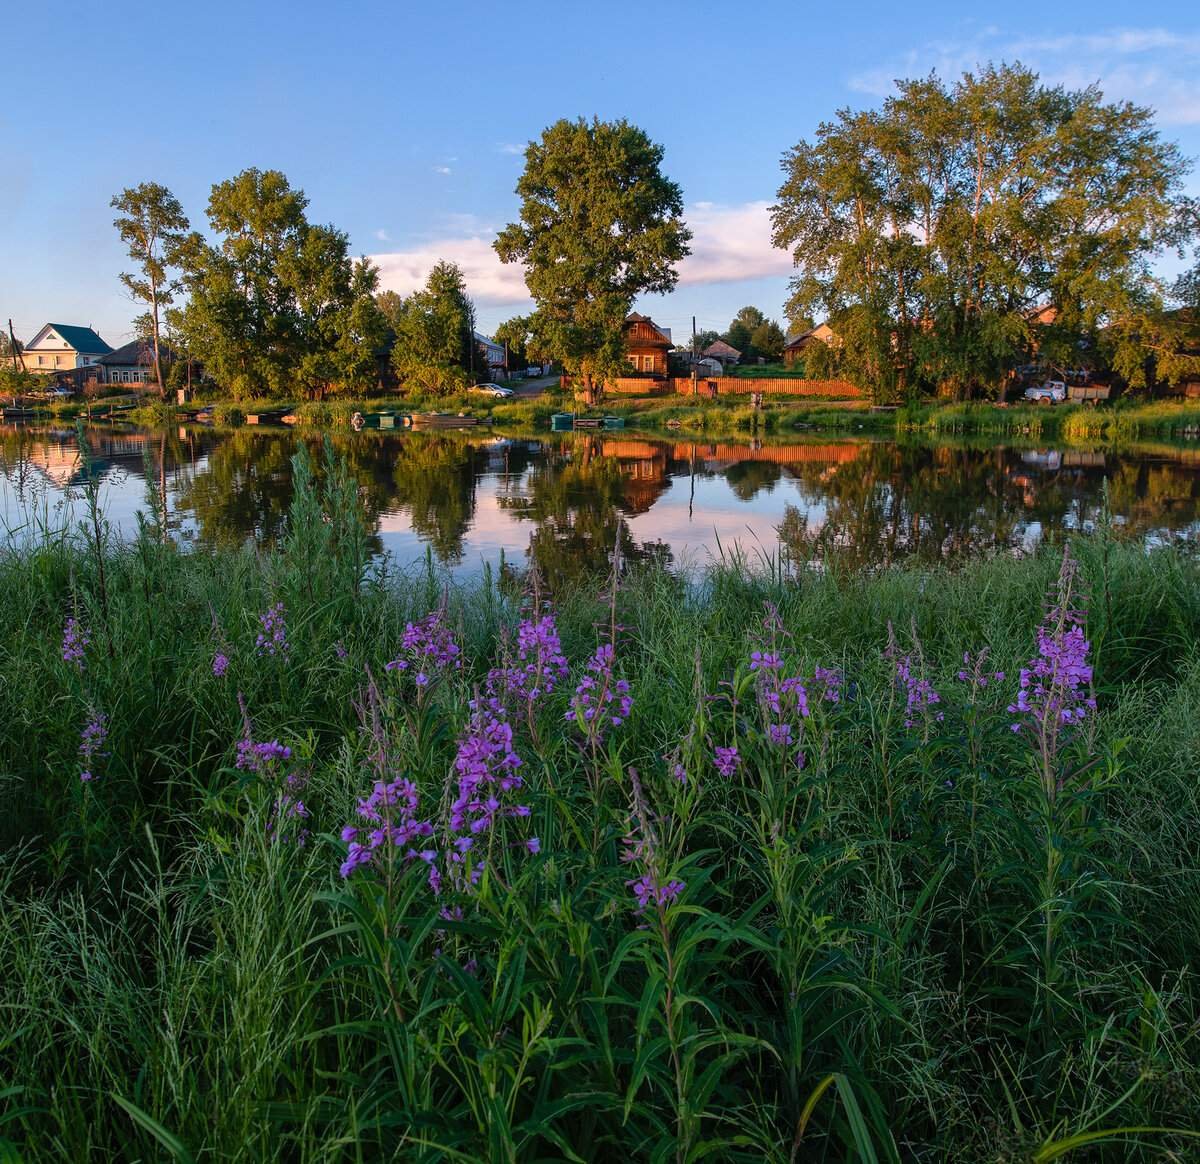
point(566, 421)
point(272, 416)
point(443, 420)
point(19, 412)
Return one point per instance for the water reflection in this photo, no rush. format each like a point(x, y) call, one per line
point(560, 502)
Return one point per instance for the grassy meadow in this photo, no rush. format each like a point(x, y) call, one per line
point(305, 859)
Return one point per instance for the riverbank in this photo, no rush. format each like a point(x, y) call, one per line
point(1121, 422)
point(725, 911)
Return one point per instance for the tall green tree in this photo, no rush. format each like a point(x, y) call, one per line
point(741, 331)
point(514, 334)
point(600, 224)
point(435, 348)
point(929, 228)
point(277, 301)
point(152, 225)
point(767, 341)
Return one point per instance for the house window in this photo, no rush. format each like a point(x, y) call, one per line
point(41, 360)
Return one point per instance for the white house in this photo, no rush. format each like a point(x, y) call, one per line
point(59, 347)
point(496, 358)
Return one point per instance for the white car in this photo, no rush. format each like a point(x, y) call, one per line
point(1051, 392)
point(496, 390)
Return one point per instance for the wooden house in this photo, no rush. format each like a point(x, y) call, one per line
point(722, 351)
point(793, 348)
point(647, 345)
point(133, 364)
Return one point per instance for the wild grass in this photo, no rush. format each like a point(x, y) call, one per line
point(925, 943)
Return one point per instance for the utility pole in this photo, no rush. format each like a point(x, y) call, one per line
point(695, 370)
point(16, 354)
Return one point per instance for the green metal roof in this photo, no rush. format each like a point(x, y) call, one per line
point(82, 339)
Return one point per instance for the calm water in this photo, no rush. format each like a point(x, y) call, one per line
point(560, 500)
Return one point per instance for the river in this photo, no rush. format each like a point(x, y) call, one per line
point(467, 499)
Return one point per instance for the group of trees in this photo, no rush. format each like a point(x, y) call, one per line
point(927, 230)
point(274, 302)
point(751, 333)
point(435, 347)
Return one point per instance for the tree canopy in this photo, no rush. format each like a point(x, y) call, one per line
point(277, 301)
point(435, 348)
point(153, 226)
point(600, 224)
point(927, 230)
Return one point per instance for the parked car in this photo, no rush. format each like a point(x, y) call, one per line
point(496, 390)
point(533, 371)
point(60, 394)
point(1051, 392)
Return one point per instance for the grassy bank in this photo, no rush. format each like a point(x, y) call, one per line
point(700, 923)
point(1123, 421)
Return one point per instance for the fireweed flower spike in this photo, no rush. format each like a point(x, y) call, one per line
point(75, 642)
point(539, 667)
point(427, 650)
point(652, 887)
point(1056, 684)
point(726, 760)
point(272, 638)
point(91, 743)
point(220, 664)
point(600, 700)
point(919, 694)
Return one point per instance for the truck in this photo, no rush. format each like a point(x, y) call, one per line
point(1089, 393)
point(1051, 392)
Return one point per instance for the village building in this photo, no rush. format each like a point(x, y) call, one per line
point(647, 345)
point(63, 347)
point(793, 348)
point(133, 364)
point(494, 354)
point(720, 350)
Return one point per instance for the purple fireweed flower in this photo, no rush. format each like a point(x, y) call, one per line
point(919, 694)
point(488, 770)
point(427, 649)
point(726, 760)
point(972, 671)
point(653, 886)
point(533, 845)
point(260, 757)
point(765, 661)
point(339, 649)
point(75, 642)
point(831, 681)
point(272, 639)
point(289, 812)
point(391, 827)
point(600, 700)
point(1055, 689)
point(220, 664)
point(538, 668)
point(91, 744)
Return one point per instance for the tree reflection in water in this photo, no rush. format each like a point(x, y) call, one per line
point(561, 503)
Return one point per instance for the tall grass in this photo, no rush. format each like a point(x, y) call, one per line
point(927, 942)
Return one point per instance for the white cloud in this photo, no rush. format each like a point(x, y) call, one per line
point(1150, 66)
point(441, 169)
point(729, 244)
point(383, 236)
point(489, 281)
point(511, 147)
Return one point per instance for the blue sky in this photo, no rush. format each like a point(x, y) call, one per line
point(404, 122)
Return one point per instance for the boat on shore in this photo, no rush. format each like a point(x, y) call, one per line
point(441, 420)
point(569, 421)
